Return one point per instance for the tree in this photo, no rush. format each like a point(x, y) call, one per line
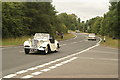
point(21, 18)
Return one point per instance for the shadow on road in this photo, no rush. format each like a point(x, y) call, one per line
point(41, 53)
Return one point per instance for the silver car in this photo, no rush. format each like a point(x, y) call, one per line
point(91, 36)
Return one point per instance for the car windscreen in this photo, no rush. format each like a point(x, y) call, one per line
point(41, 36)
point(92, 35)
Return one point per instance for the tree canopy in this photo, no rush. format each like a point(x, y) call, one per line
point(108, 24)
point(28, 18)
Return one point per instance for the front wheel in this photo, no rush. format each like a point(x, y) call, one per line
point(46, 50)
point(27, 51)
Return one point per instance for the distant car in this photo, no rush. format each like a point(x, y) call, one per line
point(42, 42)
point(77, 31)
point(91, 36)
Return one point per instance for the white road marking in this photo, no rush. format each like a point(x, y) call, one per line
point(10, 76)
point(57, 60)
point(52, 61)
point(71, 39)
point(21, 72)
point(52, 67)
point(40, 66)
point(75, 37)
point(45, 70)
point(59, 64)
point(28, 76)
point(33, 68)
point(99, 41)
point(46, 64)
point(36, 73)
point(64, 62)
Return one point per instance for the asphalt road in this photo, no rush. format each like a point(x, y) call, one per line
point(77, 58)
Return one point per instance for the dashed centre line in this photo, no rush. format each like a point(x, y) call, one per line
point(50, 67)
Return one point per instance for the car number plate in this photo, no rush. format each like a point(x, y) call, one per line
point(34, 50)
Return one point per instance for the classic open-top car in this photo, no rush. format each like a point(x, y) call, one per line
point(91, 36)
point(42, 42)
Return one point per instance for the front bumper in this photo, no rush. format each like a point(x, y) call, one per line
point(91, 38)
point(34, 49)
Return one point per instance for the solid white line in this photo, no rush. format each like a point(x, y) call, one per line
point(59, 64)
point(9, 76)
point(40, 66)
point(58, 60)
point(28, 76)
point(52, 67)
point(45, 70)
point(32, 68)
point(70, 39)
point(36, 73)
point(20, 72)
point(73, 58)
point(99, 41)
point(46, 64)
point(64, 62)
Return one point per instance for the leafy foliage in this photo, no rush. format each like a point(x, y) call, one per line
point(26, 18)
point(107, 25)
point(69, 20)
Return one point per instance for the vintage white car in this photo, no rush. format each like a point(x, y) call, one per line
point(91, 36)
point(42, 42)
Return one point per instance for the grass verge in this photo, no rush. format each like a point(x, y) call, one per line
point(66, 36)
point(20, 40)
point(14, 41)
point(110, 42)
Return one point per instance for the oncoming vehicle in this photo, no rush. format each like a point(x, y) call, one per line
point(77, 31)
point(42, 42)
point(91, 36)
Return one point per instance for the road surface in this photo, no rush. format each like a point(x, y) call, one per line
point(77, 58)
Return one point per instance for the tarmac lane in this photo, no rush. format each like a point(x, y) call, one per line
point(77, 58)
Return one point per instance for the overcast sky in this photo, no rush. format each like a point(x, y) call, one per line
point(85, 9)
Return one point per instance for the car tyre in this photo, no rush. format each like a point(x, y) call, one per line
point(47, 50)
point(27, 51)
point(58, 46)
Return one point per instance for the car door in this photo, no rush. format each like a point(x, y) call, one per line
point(52, 44)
